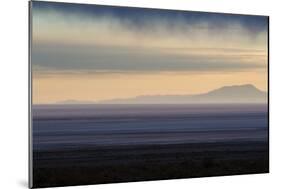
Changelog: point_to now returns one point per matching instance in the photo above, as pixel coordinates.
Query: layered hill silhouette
(228, 94)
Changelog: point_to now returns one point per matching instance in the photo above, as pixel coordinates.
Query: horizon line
(84, 102)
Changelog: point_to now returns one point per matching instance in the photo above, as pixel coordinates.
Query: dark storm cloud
(141, 18)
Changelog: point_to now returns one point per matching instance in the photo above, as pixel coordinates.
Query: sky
(93, 52)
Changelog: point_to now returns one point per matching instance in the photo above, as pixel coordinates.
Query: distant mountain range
(75, 102)
(227, 94)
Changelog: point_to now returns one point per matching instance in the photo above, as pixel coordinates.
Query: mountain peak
(237, 88)
(236, 93)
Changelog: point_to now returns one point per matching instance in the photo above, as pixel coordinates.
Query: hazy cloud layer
(116, 59)
(115, 39)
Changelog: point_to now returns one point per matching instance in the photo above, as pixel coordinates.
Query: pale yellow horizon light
(94, 88)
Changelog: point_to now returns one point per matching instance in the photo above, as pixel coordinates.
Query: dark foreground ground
(96, 165)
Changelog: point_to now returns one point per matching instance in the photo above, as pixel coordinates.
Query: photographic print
(122, 94)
